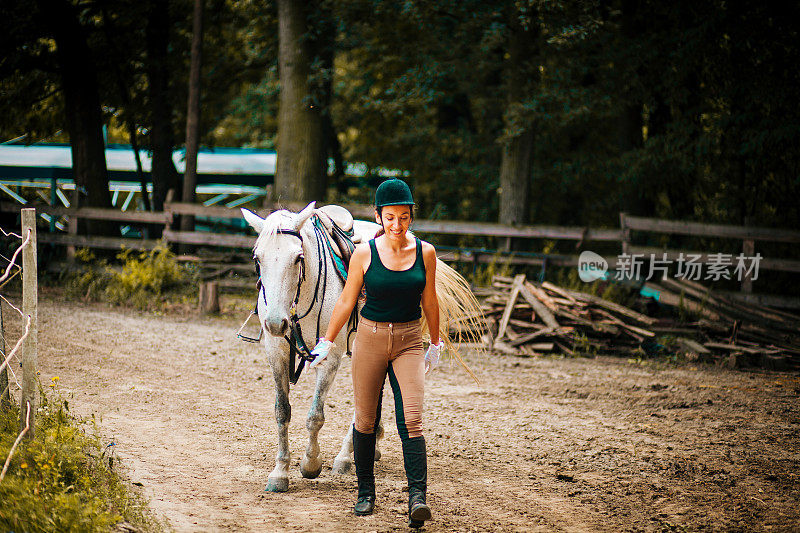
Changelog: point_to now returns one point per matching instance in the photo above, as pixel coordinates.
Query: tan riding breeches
(382, 348)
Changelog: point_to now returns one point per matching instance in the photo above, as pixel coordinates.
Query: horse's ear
(304, 215)
(254, 220)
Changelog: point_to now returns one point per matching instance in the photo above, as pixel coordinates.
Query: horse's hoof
(342, 467)
(377, 454)
(277, 484)
(310, 468)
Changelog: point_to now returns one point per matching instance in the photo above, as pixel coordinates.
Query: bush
(64, 479)
(140, 281)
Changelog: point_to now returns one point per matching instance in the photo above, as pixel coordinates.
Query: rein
(297, 344)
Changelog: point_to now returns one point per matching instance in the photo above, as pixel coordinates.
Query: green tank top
(393, 295)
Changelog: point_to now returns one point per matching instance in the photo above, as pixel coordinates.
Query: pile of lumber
(533, 318)
(728, 331)
(527, 318)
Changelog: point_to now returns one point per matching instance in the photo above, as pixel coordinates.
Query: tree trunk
(162, 136)
(122, 83)
(629, 128)
(515, 179)
(301, 168)
(516, 161)
(82, 109)
(193, 115)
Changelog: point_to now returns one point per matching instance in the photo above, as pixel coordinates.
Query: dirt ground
(541, 444)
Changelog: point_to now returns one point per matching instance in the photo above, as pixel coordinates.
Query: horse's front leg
(278, 480)
(311, 464)
(343, 462)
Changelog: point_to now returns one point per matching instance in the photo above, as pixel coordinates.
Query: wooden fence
(580, 235)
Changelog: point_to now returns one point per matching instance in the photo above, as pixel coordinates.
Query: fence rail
(581, 235)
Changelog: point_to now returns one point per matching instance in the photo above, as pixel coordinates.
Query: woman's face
(395, 220)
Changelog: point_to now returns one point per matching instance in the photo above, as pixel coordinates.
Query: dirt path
(540, 445)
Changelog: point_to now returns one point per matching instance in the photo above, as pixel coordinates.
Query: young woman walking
(399, 275)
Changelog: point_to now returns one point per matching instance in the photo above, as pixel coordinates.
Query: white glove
(432, 356)
(321, 351)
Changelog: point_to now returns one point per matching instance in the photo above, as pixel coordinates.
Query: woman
(400, 277)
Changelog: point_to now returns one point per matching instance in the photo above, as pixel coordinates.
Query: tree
(302, 148)
(81, 105)
(161, 115)
(517, 143)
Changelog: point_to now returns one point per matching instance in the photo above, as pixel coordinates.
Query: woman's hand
(321, 351)
(432, 356)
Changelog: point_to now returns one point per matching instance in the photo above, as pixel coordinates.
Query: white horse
(296, 267)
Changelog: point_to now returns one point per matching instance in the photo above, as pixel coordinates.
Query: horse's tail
(459, 308)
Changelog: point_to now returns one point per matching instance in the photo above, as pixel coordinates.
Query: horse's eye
(299, 258)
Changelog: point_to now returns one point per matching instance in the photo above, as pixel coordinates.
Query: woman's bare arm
(430, 301)
(352, 289)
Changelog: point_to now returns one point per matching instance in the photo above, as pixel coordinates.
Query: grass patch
(65, 478)
(144, 280)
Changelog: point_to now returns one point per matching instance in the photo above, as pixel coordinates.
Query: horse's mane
(272, 223)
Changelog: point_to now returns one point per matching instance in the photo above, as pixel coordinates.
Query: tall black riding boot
(364, 455)
(416, 463)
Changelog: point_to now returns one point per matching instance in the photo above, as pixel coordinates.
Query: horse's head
(279, 254)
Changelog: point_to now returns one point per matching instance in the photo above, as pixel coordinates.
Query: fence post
(5, 390)
(29, 301)
(748, 250)
(209, 297)
(626, 232)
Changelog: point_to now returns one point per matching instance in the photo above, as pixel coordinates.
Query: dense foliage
(64, 479)
(679, 110)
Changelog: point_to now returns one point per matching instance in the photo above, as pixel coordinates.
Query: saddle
(341, 239)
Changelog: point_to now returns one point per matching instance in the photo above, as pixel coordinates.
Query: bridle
(297, 344)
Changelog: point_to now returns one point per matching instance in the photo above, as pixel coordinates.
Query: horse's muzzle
(279, 329)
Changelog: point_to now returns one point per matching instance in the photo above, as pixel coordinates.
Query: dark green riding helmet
(393, 192)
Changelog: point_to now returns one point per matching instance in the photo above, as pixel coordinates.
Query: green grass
(143, 280)
(65, 479)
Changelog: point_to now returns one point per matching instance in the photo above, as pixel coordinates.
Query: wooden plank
(769, 300)
(692, 346)
(94, 213)
(541, 346)
(623, 324)
(516, 287)
(209, 239)
(502, 347)
(711, 230)
(448, 227)
(766, 263)
(541, 296)
(732, 347)
(540, 309)
(108, 243)
(455, 227)
(182, 208)
(558, 290)
(611, 306)
(530, 336)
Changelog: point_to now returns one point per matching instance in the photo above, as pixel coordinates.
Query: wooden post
(626, 233)
(72, 224)
(748, 249)
(209, 297)
(5, 393)
(29, 301)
